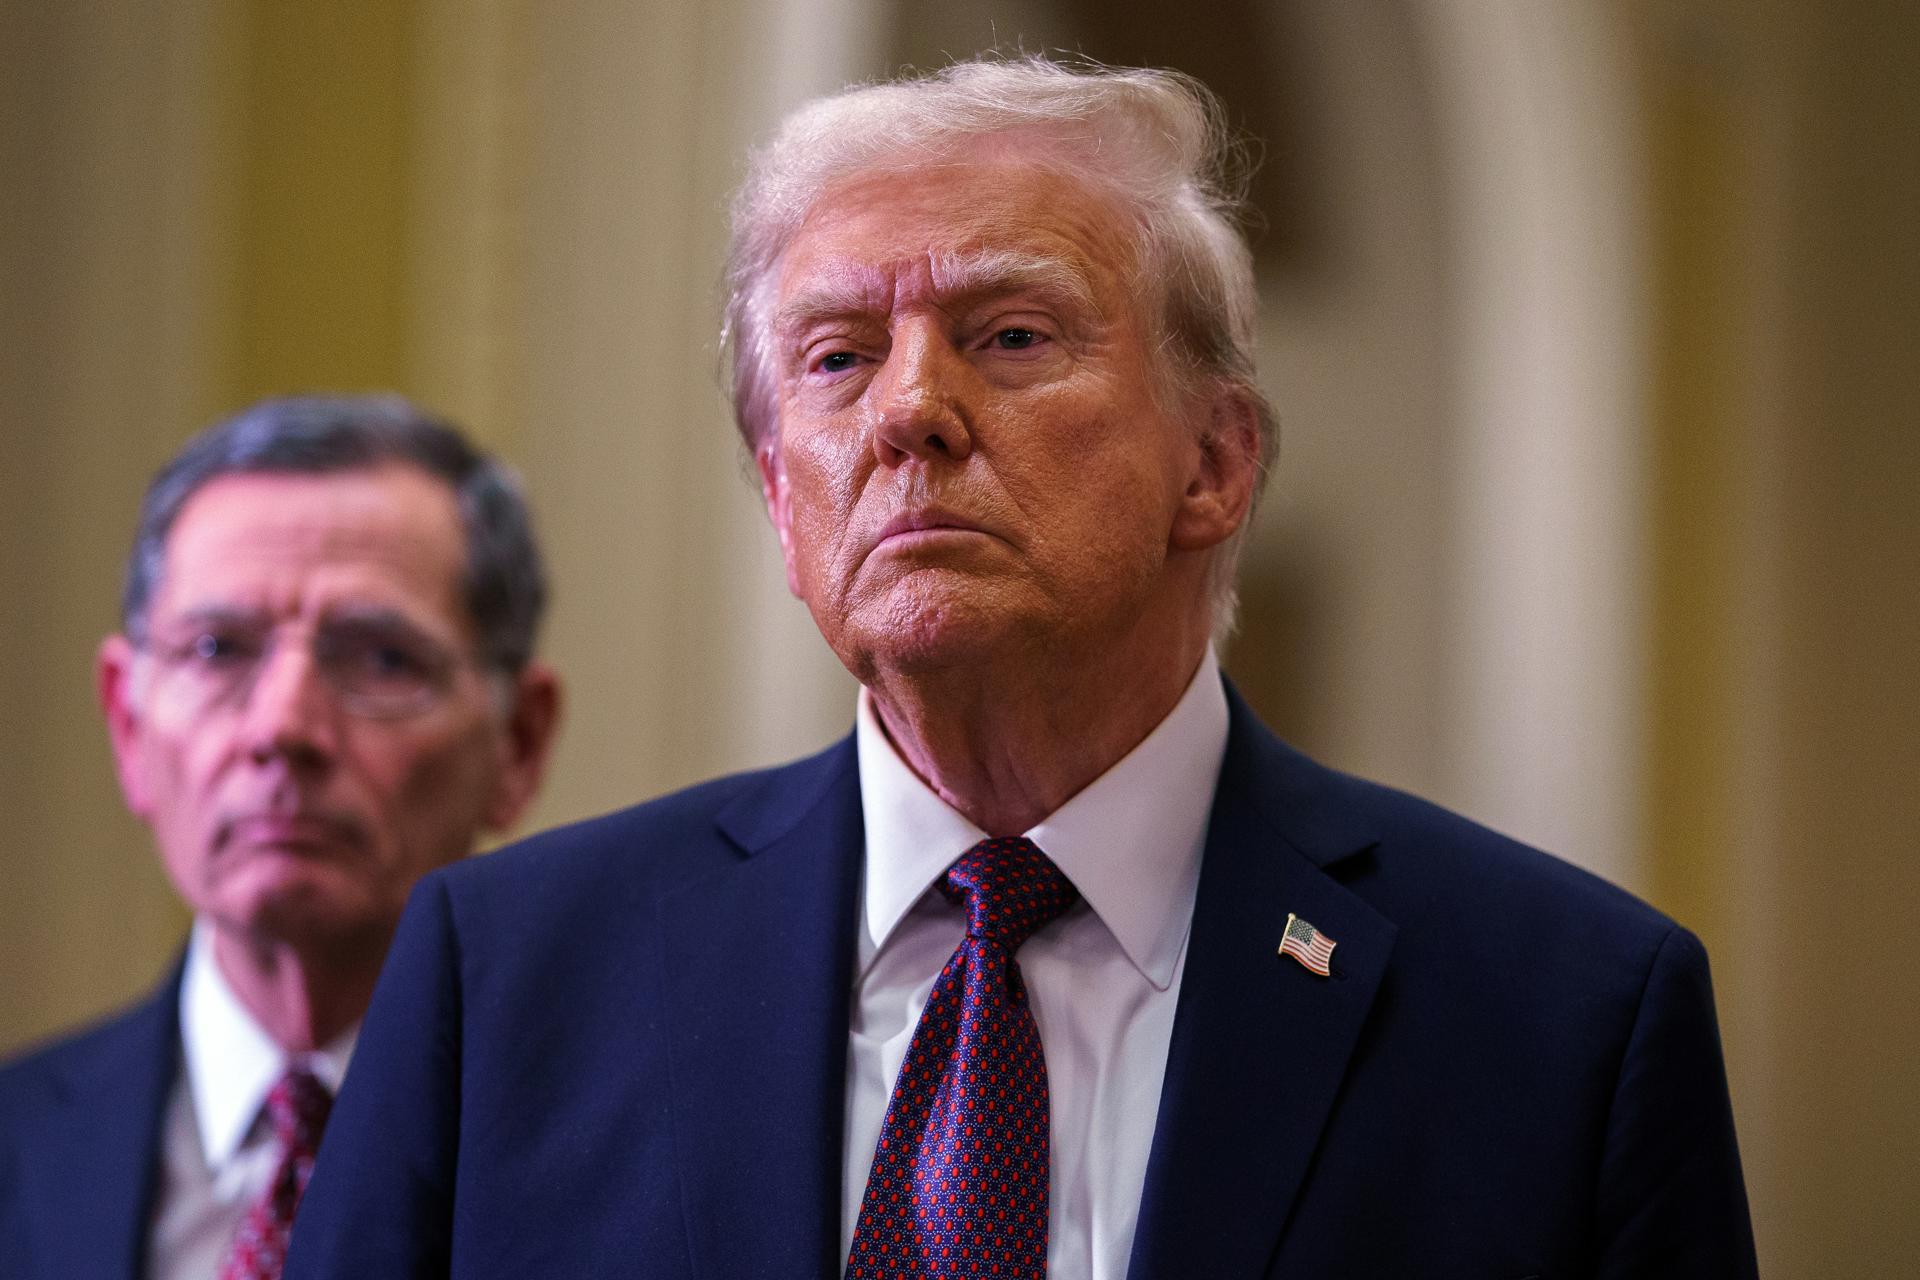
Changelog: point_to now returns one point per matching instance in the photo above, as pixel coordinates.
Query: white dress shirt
(217, 1152)
(1103, 978)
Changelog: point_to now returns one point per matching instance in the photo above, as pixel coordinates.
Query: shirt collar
(232, 1063)
(1130, 840)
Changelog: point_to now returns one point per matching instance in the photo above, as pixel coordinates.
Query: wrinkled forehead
(950, 279)
(953, 229)
(290, 543)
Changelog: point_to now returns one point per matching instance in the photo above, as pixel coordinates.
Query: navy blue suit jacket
(620, 1049)
(80, 1130)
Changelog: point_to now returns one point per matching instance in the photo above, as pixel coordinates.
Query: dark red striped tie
(297, 1107)
(959, 1181)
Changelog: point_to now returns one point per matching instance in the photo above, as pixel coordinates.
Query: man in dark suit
(324, 687)
(1061, 964)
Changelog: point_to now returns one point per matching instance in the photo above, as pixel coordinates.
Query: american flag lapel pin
(1308, 945)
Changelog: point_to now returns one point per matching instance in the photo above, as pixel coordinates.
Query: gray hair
(504, 585)
(1155, 141)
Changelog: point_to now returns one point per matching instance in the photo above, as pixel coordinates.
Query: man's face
(305, 728)
(973, 454)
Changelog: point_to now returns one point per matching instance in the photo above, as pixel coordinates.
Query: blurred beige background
(1592, 325)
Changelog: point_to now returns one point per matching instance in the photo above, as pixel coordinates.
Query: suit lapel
(94, 1164)
(758, 961)
(1260, 1044)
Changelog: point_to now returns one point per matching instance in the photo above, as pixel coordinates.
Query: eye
(378, 659)
(837, 362)
(1015, 338)
(215, 648)
(374, 660)
(391, 660)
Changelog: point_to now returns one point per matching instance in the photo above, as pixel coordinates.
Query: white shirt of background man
(217, 1152)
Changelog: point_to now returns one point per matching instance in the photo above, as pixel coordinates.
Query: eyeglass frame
(376, 628)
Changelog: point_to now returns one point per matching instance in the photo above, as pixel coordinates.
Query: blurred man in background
(324, 687)
(1060, 964)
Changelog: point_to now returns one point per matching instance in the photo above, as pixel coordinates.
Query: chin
(927, 633)
(305, 910)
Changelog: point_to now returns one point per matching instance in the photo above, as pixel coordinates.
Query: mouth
(927, 525)
(297, 832)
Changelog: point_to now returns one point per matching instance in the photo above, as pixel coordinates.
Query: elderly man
(1061, 963)
(323, 689)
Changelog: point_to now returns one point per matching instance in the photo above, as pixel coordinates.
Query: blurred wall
(1590, 324)
(109, 276)
(1786, 589)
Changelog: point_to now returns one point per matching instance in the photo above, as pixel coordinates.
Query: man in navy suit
(1061, 963)
(324, 687)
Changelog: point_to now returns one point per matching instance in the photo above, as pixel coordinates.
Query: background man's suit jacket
(620, 1049)
(80, 1132)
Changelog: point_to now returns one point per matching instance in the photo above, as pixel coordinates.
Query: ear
(526, 744)
(113, 683)
(1225, 474)
(773, 488)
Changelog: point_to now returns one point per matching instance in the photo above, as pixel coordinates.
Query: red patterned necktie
(297, 1106)
(959, 1181)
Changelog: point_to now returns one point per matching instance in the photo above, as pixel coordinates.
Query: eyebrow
(957, 277)
(375, 617)
(1002, 271)
(217, 614)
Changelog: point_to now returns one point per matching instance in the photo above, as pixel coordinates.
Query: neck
(1007, 742)
(302, 996)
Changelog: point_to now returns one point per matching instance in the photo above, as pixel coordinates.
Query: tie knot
(1010, 890)
(297, 1107)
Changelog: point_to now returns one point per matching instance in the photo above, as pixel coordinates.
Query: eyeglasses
(380, 667)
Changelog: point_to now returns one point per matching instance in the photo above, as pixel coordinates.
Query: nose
(920, 398)
(290, 712)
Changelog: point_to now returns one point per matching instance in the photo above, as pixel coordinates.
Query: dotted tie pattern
(297, 1107)
(959, 1181)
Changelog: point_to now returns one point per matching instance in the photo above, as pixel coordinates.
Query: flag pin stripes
(1308, 945)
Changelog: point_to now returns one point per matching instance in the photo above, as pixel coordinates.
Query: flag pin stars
(1308, 945)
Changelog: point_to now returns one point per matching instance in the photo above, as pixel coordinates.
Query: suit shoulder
(45, 1071)
(1468, 860)
(1385, 839)
(1464, 897)
(633, 852)
(1388, 842)
(1458, 892)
